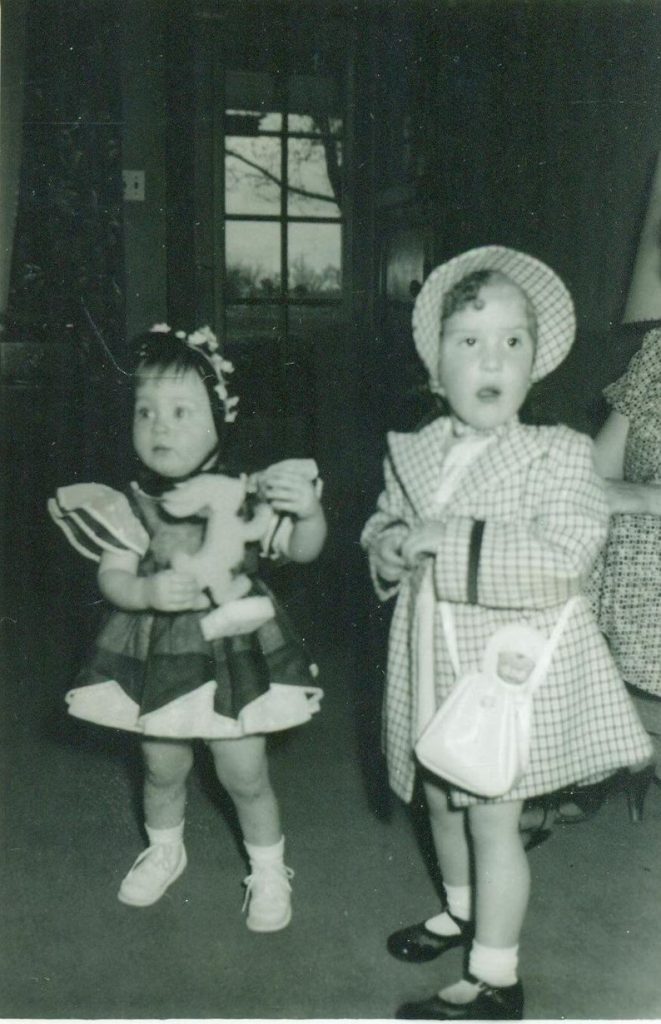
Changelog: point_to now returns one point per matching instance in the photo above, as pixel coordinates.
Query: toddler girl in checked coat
(486, 522)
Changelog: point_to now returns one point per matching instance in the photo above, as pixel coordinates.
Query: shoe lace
(267, 880)
(158, 858)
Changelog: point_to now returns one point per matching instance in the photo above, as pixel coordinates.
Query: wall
(144, 121)
(533, 125)
(12, 43)
(65, 317)
(550, 125)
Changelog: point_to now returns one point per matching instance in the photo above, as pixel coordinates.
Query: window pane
(252, 175)
(252, 260)
(315, 261)
(313, 175)
(252, 92)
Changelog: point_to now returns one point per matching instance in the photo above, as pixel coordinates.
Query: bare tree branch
(278, 181)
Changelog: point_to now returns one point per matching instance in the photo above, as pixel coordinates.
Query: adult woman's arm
(623, 495)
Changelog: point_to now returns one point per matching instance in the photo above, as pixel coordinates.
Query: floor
(591, 948)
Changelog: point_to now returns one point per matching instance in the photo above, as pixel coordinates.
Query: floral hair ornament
(205, 342)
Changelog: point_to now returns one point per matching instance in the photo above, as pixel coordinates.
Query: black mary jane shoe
(581, 803)
(417, 945)
(536, 824)
(490, 1003)
(637, 784)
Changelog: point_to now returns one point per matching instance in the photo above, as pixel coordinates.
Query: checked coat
(545, 518)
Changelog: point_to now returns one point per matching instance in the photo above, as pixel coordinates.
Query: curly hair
(466, 293)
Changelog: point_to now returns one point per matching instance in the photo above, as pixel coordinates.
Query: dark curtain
(12, 36)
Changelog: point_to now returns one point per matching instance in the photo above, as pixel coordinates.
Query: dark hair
(163, 352)
(466, 291)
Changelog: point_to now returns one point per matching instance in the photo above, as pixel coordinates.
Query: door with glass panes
(276, 246)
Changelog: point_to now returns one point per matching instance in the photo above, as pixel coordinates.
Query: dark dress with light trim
(153, 672)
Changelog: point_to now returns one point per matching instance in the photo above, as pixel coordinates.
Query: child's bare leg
(419, 943)
(448, 828)
(242, 768)
(502, 873)
(167, 765)
(502, 884)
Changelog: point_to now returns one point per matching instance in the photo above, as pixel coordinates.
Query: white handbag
(479, 739)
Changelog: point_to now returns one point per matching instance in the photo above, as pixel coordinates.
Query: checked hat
(553, 305)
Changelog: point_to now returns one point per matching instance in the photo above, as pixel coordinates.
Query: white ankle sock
(442, 924)
(266, 854)
(460, 900)
(165, 836)
(459, 904)
(460, 992)
(496, 966)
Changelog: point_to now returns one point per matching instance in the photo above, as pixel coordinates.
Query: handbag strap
(543, 662)
(541, 668)
(447, 618)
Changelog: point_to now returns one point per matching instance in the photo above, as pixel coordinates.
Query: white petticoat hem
(192, 715)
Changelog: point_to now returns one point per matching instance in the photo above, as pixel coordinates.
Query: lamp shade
(644, 297)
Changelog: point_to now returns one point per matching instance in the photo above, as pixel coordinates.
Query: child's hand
(387, 559)
(290, 492)
(170, 591)
(422, 540)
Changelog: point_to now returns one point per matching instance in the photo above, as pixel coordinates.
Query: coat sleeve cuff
(457, 562)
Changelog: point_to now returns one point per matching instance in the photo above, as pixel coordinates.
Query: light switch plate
(134, 186)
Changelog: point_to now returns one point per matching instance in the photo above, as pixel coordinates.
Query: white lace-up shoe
(268, 897)
(153, 872)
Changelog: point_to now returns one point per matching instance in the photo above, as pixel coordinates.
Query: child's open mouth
(489, 394)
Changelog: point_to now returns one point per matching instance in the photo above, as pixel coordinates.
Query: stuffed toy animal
(96, 518)
(218, 498)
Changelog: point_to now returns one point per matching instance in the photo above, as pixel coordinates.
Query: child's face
(173, 429)
(514, 666)
(486, 356)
